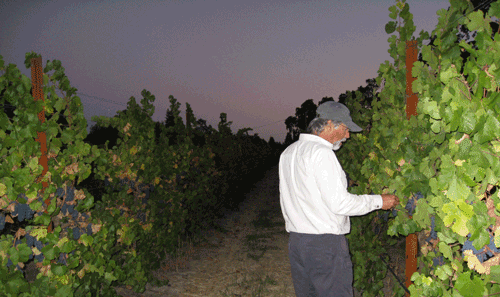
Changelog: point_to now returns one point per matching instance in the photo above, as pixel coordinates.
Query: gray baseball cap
(335, 111)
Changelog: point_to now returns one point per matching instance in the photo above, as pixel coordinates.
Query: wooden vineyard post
(411, 98)
(411, 109)
(37, 83)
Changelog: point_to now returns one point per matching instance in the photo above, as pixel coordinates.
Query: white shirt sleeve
(332, 183)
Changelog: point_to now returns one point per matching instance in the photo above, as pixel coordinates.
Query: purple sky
(254, 60)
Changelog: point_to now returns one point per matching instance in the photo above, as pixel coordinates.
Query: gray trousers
(321, 265)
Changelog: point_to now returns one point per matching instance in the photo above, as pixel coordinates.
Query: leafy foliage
(157, 186)
(449, 153)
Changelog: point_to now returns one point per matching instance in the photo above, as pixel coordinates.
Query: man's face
(336, 135)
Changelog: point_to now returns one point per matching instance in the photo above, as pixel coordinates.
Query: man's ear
(329, 126)
(327, 129)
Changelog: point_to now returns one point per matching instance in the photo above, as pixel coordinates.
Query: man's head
(333, 123)
(334, 132)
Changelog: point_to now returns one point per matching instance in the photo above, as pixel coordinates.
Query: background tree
(326, 99)
(293, 130)
(363, 95)
(224, 126)
(203, 127)
(305, 114)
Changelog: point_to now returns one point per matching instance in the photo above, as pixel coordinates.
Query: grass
(255, 286)
(258, 243)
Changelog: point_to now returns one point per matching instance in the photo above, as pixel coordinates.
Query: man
(316, 205)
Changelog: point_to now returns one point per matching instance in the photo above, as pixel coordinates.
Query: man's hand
(389, 201)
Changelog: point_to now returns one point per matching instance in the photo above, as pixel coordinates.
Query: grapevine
(444, 161)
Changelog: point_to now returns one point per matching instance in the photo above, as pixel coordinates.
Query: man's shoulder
(305, 147)
(310, 143)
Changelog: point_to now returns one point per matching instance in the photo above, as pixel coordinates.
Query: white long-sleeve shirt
(313, 189)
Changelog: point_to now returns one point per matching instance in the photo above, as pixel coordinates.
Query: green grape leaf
(431, 108)
(444, 272)
(59, 269)
(476, 21)
(390, 27)
(445, 238)
(24, 252)
(422, 213)
(110, 276)
(394, 12)
(44, 219)
(446, 250)
(494, 9)
(495, 273)
(483, 238)
(468, 287)
(489, 131)
(64, 291)
(50, 252)
(36, 205)
(87, 240)
(448, 74)
(60, 103)
(456, 217)
(436, 126)
(14, 255)
(468, 122)
(457, 190)
(426, 168)
(16, 286)
(466, 209)
(441, 273)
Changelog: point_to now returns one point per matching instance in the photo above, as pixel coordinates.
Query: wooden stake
(411, 109)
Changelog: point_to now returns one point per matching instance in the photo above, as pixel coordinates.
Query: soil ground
(248, 256)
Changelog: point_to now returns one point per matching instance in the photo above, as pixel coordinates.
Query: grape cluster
(2, 221)
(383, 215)
(140, 187)
(410, 205)
(146, 198)
(23, 212)
(59, 192)
(30, 242)
(66, 208)
(76, 233)
(69, 206)
(33, 242)
(62, 259)
(482, 254)
(141, 216)
(437, 261)
(433, 234)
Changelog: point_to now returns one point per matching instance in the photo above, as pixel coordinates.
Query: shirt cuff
(378, 202)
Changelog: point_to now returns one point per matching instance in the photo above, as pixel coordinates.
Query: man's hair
(317, 125)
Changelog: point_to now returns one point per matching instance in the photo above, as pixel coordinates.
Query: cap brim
(353, 127)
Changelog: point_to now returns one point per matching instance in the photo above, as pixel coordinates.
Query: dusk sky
(254, 60)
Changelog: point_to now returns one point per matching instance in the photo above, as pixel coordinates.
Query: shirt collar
(315, 138)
